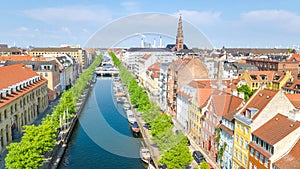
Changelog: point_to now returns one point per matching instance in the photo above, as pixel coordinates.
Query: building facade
(22, 99)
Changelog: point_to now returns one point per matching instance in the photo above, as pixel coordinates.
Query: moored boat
(145, 155)
(130, 116)
(135, 128)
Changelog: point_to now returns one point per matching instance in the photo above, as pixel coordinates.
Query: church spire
(179, 37)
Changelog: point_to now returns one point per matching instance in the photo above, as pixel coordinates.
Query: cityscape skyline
(229, 24)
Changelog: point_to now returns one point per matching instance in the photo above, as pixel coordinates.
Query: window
(252, 151)
(247, 130)
(46, 74)
(266, 162)
(0, 118)
(241, 141)
(256, 155)
(245, 144)
(240, 156)
(237, 137)
(250, 165)
(245, 160)
(261, 159)
(5, 114)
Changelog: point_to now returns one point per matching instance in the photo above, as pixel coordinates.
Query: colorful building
(22, 99)
(260, 108)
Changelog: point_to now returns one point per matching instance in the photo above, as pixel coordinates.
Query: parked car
(198, 156)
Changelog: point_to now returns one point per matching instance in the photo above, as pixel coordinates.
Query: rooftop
(276, 129)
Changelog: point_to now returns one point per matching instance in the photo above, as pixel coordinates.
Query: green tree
(203, 165)
(246, 90)
(160, 124)
(168, 139)
(177, 157)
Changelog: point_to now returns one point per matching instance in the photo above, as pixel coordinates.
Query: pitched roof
(276, 129)
(291, 160)
(204, 95)
(259, 100)
(257, 76)
(8, 75)
(226, 103)
(295, 57)
(21, 58)
(155, 66)
(184, 95)
(294, 99)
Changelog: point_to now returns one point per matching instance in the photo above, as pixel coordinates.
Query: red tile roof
(13, 74)
(21, 58)
(186, 96)
(291, 160)
(226, 103)
(276, 129)
(294, 99)
(294, 57)
(155, 66)
(259, 100)
(258, 74)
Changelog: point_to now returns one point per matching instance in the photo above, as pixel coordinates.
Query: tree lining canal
(102, 138)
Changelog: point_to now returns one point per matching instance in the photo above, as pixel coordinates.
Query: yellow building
(260, 108)
(270, 79)
(23, 95)
(78, 53)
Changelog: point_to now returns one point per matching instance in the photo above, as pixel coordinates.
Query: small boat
(126, 106)
(145, 155)
(135, 128)
(121, 99)
(130, 116)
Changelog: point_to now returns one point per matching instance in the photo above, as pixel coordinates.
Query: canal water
(103, 138)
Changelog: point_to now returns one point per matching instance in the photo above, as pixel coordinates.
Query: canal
(103, 138)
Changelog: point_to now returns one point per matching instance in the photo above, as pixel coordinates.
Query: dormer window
(253, 77)
(263, 77)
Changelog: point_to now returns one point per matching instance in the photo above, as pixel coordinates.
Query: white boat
(130, 116)
(145, 155)
(126, 106)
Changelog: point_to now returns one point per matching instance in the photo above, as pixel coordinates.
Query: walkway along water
(102, 138)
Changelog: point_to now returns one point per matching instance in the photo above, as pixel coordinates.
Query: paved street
(194, 146)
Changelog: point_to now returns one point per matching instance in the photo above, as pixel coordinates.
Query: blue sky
(232, 23)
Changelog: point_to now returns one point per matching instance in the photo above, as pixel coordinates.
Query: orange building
(23, 95)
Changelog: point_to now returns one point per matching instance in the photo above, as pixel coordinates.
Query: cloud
(66, 30)
(22, 29)
(198, 17)
(70, 13)
(130, 6)
(275, 19)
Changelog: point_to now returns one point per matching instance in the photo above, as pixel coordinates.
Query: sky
(229, 23)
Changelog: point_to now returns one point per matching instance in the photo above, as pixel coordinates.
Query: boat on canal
(130, 116)
(135, 128)
(145, 155)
